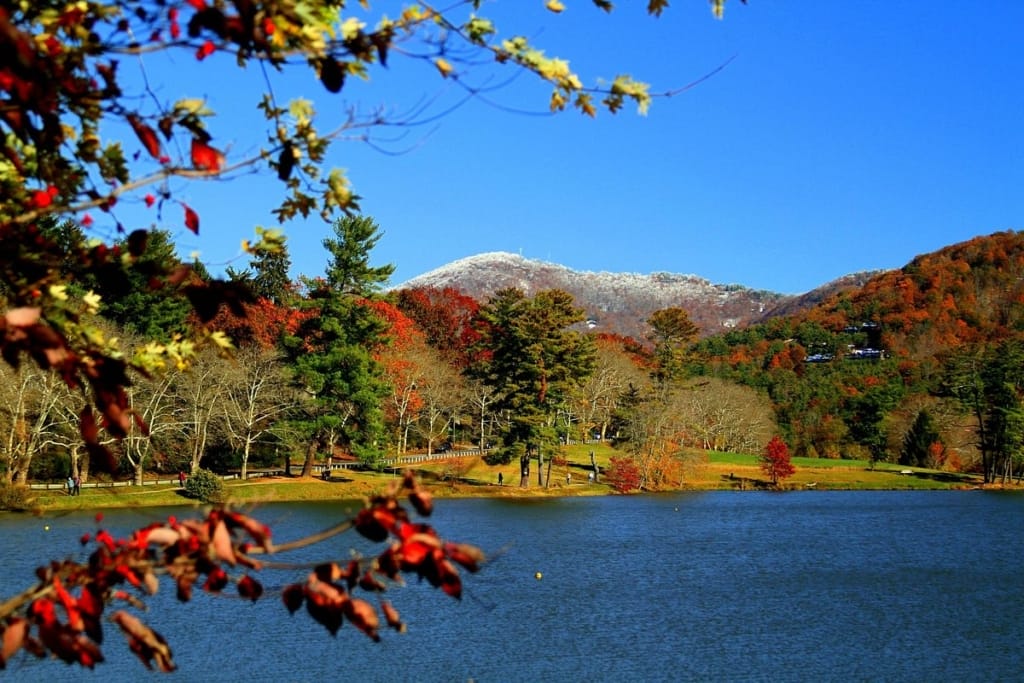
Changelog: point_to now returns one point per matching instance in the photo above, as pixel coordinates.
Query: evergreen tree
(672, 332)
(990, 384)
(918, 442)
(332, 348)
(533, 361)
(135, 292)
(267, 275)
(349, 271)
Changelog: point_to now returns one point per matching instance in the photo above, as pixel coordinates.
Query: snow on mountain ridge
(516, 262)
(615, 302)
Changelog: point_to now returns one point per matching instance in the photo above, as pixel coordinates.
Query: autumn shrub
(15, 497)
(623, 475)
(205, 486)
(665, 471)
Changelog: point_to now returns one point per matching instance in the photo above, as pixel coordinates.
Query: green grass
(471, 477)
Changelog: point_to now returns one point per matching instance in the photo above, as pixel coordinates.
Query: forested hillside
(852, 375)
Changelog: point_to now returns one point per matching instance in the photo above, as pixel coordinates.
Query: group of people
(74, 485)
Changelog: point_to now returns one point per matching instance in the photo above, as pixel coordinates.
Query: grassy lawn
(471, 477)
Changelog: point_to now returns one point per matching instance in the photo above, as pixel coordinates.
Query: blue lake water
(718, 586)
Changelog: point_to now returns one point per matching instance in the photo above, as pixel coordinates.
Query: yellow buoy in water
(538, 576)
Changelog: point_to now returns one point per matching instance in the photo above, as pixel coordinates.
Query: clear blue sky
(842, 136)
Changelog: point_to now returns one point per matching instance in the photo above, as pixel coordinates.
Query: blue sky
(841, 136)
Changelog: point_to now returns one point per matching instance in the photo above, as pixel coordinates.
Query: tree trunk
(307, 465)
(245, 459)
(524, 471)
(83, 467)
(593, 465)
(138, 473)
(21, 473)
(483, 437)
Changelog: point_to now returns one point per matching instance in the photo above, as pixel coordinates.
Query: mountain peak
(615, 302)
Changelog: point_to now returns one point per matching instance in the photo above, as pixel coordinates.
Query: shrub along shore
(471, 477)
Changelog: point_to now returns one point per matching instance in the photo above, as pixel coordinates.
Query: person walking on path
(77, 485)
(71, 486)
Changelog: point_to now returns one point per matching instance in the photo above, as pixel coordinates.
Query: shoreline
(309, 489)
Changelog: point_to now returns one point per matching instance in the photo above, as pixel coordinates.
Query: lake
(717, 586)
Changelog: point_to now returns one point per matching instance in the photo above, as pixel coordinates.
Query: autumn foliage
(63, 613)
(775, 461)
(623, 474)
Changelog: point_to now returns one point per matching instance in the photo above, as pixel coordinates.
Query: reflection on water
(810, 586)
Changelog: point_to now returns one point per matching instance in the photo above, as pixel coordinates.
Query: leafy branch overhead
(66, 76)
(83, 128)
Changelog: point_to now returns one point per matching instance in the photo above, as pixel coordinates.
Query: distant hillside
(849, 376)
(971, 292)
(622, 302)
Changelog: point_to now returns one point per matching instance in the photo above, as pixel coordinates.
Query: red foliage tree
(260, 324)
(775, 461)
(445, 316)
(623, 474)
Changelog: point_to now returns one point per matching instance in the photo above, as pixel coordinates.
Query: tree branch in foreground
(62, 615)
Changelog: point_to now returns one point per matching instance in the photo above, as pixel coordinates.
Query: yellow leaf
(554, 6)
(586, 105)
(351, 28)
(92, 302)
(443, 66)
(557, 101)
(221, 340)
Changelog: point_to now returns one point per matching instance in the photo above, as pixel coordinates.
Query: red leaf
(222, 547)
(148, 645)
(205, 50)
(466, 555)
(147, 136)
(13, 638)
(422, 501)
(216, 580)
(206, 158)
(191, 219)
(41, 199)
(362, 615)
(293, 597)
(150, 200)
(391, 615)
(250, 588)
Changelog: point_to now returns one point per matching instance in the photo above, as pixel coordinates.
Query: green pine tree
(918, 442)
(332, 349)
(533, 361)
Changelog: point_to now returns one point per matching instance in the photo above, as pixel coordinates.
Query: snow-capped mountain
(622, 302)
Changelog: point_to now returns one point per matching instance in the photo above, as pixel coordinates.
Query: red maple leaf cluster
(62, 614)
(415, 548)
